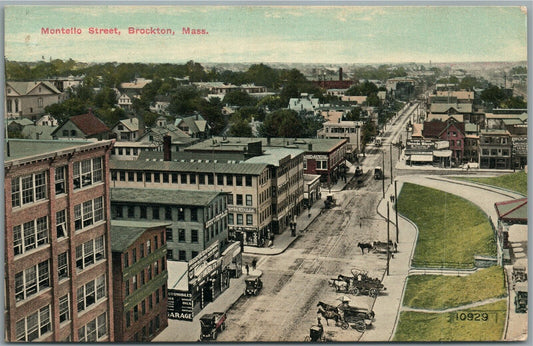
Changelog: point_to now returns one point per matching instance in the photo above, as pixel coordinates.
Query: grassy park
(513, 181)
(438, 292)
(486, 323)
(451, 229)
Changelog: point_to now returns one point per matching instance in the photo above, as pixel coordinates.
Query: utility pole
(388, 239)
(396, 199)
(383, 172)
(391, 163)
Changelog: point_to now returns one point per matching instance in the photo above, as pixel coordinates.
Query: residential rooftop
(125, 233)
(164, 196)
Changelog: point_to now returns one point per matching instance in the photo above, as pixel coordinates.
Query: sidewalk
(184, 331)
(388, 305)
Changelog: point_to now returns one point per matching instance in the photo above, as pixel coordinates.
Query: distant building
(350, 130)
(127, 130)
(82, 126)
(305, 104)
(139, 279)
(58, 278)
(450, 130)
(28, 99)
(195, 125)
(495, 149)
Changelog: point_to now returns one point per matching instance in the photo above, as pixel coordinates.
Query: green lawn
(438, 292)
(451, 229)
(513, 181)
(428, 327)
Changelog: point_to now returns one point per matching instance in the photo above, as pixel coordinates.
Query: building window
(32, 280)
(91, 293)
(229, 179)
(135, 313)
(168, 232)
(230, 219)
(141, 250)
(183, 178)
(34, 326)
(148, 177)
(90, 253)
(157, 177)
(220, 179)
(170, 255)
(128, 319)
(155, 213)
(60, 179)
(192, 178)
(194, 236)
(210, 179)
(139, 176)
(201, 179)
(64, 309)
(248, 200)
(28, 189)
(131, 212)
(248, 180)
(238, 180)
(143, 212)
(62, 265)
(174, 178)
(182, 255)
(249, 219)
(239, 199)
(61, 223)
(194, 254)
(30, 235)
(88, 213)
(94, 330)
(126, 260)
(148, 247)
(87, 172)
(134, 255)
(239, 219)
(168, 213)
(194, 214)
(181, 235)
(230, 199)
(165, 177)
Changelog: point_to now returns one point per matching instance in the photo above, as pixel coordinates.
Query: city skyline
(277, 34)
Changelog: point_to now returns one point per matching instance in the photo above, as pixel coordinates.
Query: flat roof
(33, 149)
(125, 233)
(238, 143)
(177, 275)
(178, 167)
(163, 196)
(272, 156)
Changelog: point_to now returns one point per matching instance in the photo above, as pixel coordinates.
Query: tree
(354, 114)
(369, 131)
(282, 123)
(373, 100)
(106, 98)
(514, 102)
(493, 95)
(239, 98)
(271, 103)
(186, 99)
(239, 127)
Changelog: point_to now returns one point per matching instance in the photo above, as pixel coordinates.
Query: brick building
(139, 279)
(58, 283)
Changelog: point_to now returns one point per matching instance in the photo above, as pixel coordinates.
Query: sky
(290, 34)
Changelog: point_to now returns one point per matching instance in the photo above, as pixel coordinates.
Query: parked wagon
(520, 299)
(519, 274)
(360, 283)
(316, 333)
(211, 325)
(381, 247)
(357, 317)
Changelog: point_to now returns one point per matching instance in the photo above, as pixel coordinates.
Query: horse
(340, 285)
(327, 307)
(364, 246)
(329, 315)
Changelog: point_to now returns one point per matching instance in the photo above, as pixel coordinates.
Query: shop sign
(213, 220)
(200, 260)
(316, 157)
(179, 305)
(241, 209)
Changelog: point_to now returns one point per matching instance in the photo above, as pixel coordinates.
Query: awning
(422, 158)
(442, 153)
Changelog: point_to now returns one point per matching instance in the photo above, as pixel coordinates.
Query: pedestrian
(247, 269)
(254, 263)
(391, 198)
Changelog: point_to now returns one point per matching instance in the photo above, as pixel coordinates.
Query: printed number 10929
(472, 316)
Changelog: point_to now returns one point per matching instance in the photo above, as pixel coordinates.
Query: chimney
(166, 148)
(340, 74)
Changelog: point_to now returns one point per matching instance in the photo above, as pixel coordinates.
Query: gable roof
(89, 124)
(24, 88)
(512, 211)
(131, 124)
(445, 107)
(126, 233)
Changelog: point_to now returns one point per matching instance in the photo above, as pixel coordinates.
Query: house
(128, 130)
(28, 99)
(195, 126)
(82, 126)
(58, 278)
(38, 132)
(357, 99)
(305, 104)
(125, 100)
(46, 120)
(450, 130)
(160, 105)
(136, 86)
(495, 148)
(154, 136)
(140, 276)
(65, 83)
(343, 129)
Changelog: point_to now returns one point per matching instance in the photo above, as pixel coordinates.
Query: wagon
(359, 318)
(519, 274)
(211, 325)
(316, 333)
(253, 286)
(520, 299)
(381, 247)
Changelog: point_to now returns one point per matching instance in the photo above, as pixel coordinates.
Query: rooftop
(163, 196)
(21, 148)
(185, 167)
(125, 233)
(238, 143)
(89, 124)
(514, 210)
(272, 156)
(177, 275)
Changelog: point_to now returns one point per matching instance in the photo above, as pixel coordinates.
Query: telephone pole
(396, 200)
(388, 239)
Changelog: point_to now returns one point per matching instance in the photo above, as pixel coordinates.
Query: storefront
(231, 262)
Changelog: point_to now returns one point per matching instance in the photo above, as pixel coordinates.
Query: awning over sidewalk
(442, 153)
(421, 158)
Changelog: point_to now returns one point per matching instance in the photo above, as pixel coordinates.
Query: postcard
(265, 173)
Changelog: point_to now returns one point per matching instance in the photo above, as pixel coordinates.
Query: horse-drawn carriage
(359, 283)
(345, 315)
(381, 247)
(519, 274)
(316, 333)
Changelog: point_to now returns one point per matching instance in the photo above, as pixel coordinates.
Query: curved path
(457, 308)
(481, 195)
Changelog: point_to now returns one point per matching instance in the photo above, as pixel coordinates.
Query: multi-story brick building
(495, 149)
(139, 279)
(58, 284)
(196, 220)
